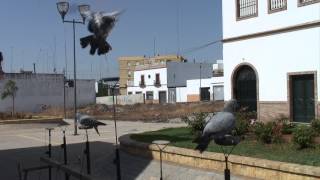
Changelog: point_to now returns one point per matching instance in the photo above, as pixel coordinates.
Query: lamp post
(63, 8)
(117, 159)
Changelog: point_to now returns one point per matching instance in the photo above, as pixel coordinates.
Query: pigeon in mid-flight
(100, 25)
(88, 122)
(218, 127)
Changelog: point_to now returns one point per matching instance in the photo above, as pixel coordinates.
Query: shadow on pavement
(102, 156)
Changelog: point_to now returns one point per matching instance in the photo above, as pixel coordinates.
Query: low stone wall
(239, 165)
(48, 119)
(121, 100)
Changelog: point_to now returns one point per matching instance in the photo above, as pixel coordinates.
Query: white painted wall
(265, 21)
(273, 57)
(149, 82)
(193, 87)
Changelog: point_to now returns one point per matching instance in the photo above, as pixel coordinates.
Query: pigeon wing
(221, 123)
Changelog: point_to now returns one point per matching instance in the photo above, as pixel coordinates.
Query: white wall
(273, 57)
(265, 21)
(193, 87)
(149, 82)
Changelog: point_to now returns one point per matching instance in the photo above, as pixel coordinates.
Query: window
(149, 95)
(157, 80)
(307, 2)
(247, 9)
(129, 93)
(138, 92)
(277, 5)
(142, 84)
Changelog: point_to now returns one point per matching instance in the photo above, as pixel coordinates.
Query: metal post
(64, 97)
(160, 164)
(226, 170)
(116, 134)
(49, 152)
(75, 77)
(200, 81)
(65, 158)
(87, 152)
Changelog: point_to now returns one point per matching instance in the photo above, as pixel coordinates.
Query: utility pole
(34, 68)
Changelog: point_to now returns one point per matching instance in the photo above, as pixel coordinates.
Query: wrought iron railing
(277, 5)
(247, 8)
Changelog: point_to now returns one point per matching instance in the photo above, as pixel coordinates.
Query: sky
(32, 32)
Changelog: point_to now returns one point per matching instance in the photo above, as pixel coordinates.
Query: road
(24, 144)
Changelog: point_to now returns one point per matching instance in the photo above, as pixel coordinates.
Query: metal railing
(142, 84)
(307, 1)
(247, 8)
(157, 83)
(276, 5)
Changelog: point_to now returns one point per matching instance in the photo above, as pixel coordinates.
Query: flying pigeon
(218, 126)
(100, 25)
(88, 122)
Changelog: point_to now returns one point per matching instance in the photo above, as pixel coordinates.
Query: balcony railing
(142, 84)
(247, 8)
(157, 83)
(306, 2)
(277, 5)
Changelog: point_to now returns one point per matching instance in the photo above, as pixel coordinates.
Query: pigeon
(100, 25)
(88, 122)
(218, 126)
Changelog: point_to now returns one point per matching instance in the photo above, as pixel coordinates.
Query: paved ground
(25, 144)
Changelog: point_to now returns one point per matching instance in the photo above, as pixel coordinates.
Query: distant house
(107, 86)
(271, 57)
(128, 64)
(178, 82)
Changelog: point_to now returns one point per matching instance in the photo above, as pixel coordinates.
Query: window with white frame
(149, 95)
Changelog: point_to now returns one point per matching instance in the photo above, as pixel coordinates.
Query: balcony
(277, 5)
(142, 84)
(307, 2)
(157, 83)
(247, 9)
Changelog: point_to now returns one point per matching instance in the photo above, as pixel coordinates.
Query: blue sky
(32, 32)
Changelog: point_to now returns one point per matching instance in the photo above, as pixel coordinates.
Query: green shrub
(303, 136)
(287, 126)
(269, 132)
(315, 124)
(196, 122)
(243, 120)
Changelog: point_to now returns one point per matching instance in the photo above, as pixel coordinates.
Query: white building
(271, 52)
(151, 81)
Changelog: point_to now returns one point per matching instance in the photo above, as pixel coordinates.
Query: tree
(10, 90)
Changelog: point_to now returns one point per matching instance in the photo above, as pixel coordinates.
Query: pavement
(24, 144)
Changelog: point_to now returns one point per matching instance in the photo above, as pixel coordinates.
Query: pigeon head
(231, 106)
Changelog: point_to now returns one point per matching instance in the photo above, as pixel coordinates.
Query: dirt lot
(141, 112)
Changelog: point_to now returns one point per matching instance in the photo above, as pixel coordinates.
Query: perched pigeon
(100, 24)
(88, 122)
(218, 126)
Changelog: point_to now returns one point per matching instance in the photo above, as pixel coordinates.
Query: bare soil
(140, 112)
(8, 116)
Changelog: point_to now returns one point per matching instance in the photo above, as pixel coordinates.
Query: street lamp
(63, 8)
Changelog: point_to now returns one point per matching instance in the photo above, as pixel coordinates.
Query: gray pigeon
(218, 126)
(88, 122)
(100, 24)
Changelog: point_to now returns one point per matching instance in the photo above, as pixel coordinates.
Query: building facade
(127, 66)
(150, 81)
(271, 53)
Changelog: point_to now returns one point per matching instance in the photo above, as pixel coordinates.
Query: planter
(240, 165)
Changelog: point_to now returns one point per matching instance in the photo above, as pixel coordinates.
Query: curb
(29, 121)
(239, 165)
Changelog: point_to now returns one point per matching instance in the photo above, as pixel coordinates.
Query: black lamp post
(63, 8)
(117, 159)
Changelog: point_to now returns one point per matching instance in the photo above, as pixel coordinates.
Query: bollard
(65, 157)
(226, 170)
(49, 151)
(87, 152)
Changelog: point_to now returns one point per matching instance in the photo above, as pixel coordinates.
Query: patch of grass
(182, 137)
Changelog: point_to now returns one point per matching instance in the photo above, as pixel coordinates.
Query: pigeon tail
(203, 143)
(100, 123)
(103, 47)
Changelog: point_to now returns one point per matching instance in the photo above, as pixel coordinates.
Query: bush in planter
(196, 122)
(303, 136)
(269, 132)
(315, 124)
(243, 120)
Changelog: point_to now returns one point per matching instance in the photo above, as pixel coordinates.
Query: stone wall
(271, 110)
